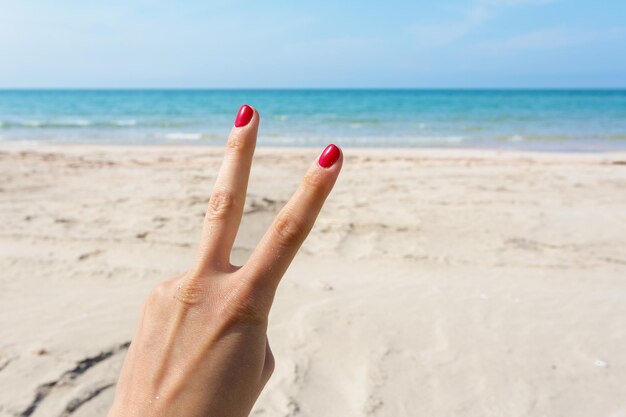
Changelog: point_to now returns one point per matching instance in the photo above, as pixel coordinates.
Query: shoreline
(430, 152)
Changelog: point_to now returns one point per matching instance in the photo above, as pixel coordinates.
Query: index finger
(281, 242)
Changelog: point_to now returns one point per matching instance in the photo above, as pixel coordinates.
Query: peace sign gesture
(200, 348)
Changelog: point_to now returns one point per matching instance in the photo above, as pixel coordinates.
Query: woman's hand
(200, 349)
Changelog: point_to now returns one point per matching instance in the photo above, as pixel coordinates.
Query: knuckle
(160, 292)
(220, 204)
(244, 307)
(191, 290)
(288, 230)
(158, 298)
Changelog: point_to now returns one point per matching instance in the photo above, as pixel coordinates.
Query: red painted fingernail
(244, 115)
(330, 155)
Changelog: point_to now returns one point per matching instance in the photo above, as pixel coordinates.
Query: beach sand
(435, 283)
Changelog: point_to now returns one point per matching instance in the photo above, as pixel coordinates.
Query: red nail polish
(244, 115)
(330, 155)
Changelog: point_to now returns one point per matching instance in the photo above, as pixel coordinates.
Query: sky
(318, 44)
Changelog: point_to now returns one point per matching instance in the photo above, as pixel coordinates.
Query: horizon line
(165, 88)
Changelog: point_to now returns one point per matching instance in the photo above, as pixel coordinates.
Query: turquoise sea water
(570, 120)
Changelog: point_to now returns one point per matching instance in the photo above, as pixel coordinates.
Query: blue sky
(265, 44)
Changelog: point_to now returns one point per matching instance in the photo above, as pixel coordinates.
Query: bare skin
(201, 348)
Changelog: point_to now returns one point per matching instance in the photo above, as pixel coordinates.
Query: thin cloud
(435, 34)
(551, 38)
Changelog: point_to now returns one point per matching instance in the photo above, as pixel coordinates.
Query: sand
(435, 283)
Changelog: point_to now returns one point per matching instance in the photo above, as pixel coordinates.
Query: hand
(201, 349)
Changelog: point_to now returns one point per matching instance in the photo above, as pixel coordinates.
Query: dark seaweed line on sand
(81, 367)
(79, 401)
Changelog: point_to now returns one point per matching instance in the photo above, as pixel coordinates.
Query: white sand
(436, 283)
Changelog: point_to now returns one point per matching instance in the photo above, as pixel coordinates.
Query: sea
(543, 120)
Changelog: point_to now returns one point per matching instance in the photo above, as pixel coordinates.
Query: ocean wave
(30, 123)
(190, 136)
(183, 136)
(67, 124)
(45, 124)
(74, 123)
(165, 124)
(63, 123)
(366, 141)
(365, 121)
(125, 122)
(454, 139)
(473, 128)
(532, 138)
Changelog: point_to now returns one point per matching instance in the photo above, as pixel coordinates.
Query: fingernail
(330, 155)
(244, 115)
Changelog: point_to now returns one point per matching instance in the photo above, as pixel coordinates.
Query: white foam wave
(367, 141)
(32, 123)
(72, 123)
(183, 136)
(454, 139)
(35, 124)
(126, 122)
